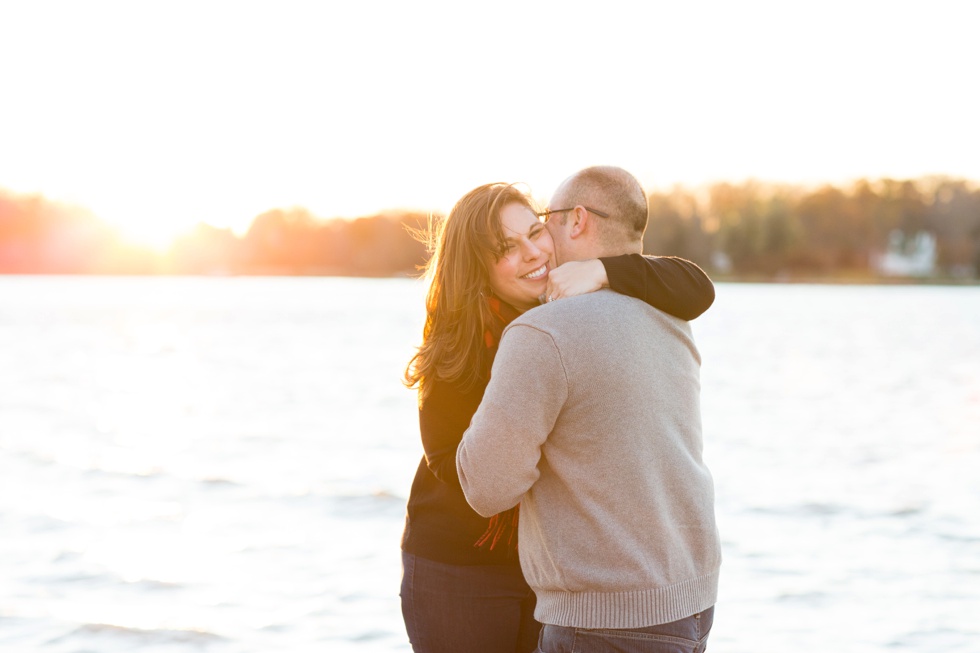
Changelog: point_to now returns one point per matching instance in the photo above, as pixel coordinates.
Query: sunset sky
(159, 115)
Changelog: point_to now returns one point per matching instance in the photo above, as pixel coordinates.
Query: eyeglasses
(546, 215)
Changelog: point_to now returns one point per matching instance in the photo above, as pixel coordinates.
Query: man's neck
(599, 251)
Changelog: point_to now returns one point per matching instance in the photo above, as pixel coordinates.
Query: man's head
(599, 211)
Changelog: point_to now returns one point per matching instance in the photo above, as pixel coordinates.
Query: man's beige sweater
(592, 422)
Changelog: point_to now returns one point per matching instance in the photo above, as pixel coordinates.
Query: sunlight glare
(268, 107)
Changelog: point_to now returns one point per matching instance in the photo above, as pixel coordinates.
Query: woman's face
(520, 275)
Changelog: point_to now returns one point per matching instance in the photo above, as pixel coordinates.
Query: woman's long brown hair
(463, 246)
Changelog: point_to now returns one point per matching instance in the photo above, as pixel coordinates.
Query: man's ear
(580, 222)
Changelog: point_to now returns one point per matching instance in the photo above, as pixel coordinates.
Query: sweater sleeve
(498, 457)
(673, 285)
(443, 417)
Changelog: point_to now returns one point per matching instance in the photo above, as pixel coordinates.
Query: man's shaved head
(610, 190)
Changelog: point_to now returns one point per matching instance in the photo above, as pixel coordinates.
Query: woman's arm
(673, 285)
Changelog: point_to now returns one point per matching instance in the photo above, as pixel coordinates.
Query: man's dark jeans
(688, 635)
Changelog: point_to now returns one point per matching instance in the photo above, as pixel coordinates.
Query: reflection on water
(842, 429)
(222, 464)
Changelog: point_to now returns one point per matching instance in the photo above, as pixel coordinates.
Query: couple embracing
(562, 503)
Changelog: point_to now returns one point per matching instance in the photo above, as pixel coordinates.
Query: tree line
(746, 230)
(783, 231)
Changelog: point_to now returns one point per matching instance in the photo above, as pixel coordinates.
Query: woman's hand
(576, 278)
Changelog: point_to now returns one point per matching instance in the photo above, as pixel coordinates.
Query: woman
(462, 588)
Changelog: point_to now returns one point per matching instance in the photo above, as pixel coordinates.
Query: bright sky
(159, 115)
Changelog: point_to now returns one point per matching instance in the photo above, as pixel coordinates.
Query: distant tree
(827, 222)
(37, 235)
(206, 250)
(279, 242)
(382, 245)
(675, 227)
(953, 216)
(901, 208)
(741, 215)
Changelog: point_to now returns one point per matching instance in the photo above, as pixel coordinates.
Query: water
(221, 464)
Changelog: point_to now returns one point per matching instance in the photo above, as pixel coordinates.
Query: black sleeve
(671, 284)
(443, 418)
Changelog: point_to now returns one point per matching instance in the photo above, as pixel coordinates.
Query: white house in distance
(913, 256)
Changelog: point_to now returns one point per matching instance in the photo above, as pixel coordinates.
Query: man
(592, 422)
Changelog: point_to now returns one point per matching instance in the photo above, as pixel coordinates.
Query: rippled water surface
(221, 465)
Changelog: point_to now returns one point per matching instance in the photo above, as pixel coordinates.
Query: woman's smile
(534, 274)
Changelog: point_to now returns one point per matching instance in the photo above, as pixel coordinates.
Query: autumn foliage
(768, 231)
(747, 230)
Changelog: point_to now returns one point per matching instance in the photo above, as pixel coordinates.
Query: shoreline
(841, 280)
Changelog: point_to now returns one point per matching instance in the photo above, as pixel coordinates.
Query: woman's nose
(531, 251)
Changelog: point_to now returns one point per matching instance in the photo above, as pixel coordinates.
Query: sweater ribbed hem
(627, 609)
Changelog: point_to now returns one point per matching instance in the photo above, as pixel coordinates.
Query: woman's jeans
(467, 609)
(688, 635)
